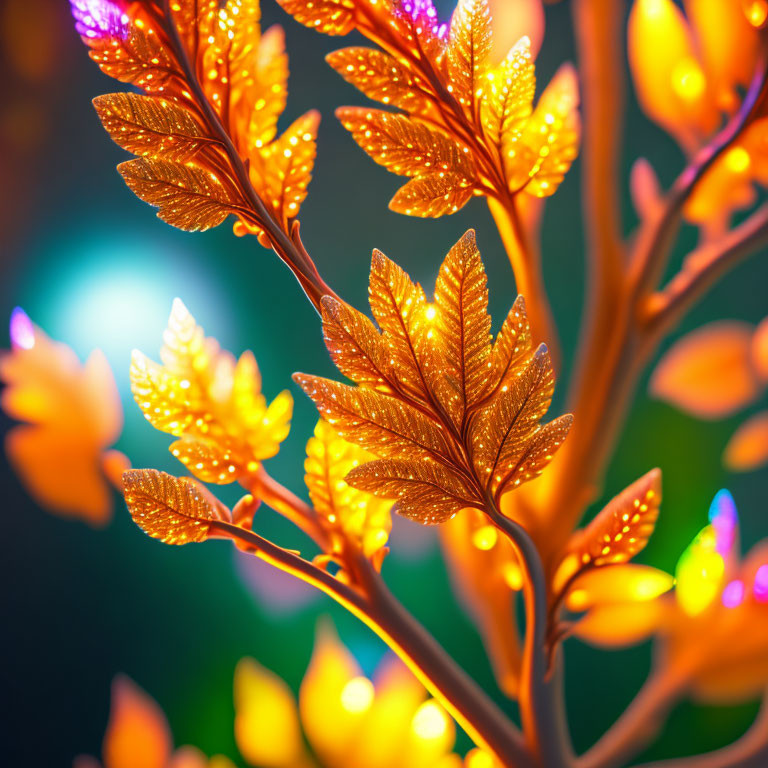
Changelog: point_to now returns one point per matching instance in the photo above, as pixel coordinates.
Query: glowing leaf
(137, 732)
(74, 414)
(332, 17)
(549, 140)
(380, 77)
(432, 196)
(451, 414)
(357, 514)
(505, 426)
(282, 171)
(469, 47)
(404, 146)
(622, 528)
(150, 126)
(355, 344)
(748, 447)
(463, 325)
(709, 372)
(174, 510)
(211, 401)
(424, 492)
(699, 574)
(267, 727)
(380, 424)
(265, 99)
(618, 584)
(135, 55)
(187, 197)
(616, 626)
(329, 725)
(509, 92)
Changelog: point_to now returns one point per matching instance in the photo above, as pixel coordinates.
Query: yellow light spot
(737, 159)
(357, 695)
(478, 759)
(485, 538)
(688, 80)
(429, 720)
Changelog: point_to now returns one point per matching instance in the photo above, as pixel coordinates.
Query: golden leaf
(467, 53)
(332, 17)
(509, 91)
(432, 196)
(150, 126)
(463, 325)
(424, 491)
(355, 346)
(174, 510)
(502, 430)
(513, 344)
(451, 415)
(214, 403)
(399, 307)
(282, 171)
(618, 532)
(405, 146)
(380, 424)
(186, 196)
(380, 77)
(549, 142)
(139, 58)
(269, 93)
(359, 515)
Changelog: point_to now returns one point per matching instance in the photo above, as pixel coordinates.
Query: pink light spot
(733, 594)
(99, 18)
(22, 331)
(760, 587)
(725, 521)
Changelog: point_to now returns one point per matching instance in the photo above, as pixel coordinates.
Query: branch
(750, 751)
(701, 269)
(526, 266)
(656, 235)
(291, 253)
(376, 607)
(541, 704)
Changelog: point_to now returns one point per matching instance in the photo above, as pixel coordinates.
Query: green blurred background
(93, 266)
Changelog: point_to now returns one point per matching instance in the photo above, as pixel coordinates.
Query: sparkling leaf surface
(174, 510)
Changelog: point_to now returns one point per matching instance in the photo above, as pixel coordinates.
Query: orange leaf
(176, 510)
(137, 733)
(748, 447)
(709, 372)
(332, 17)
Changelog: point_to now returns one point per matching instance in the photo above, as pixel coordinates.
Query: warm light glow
(737, 160)
(430, 720)
(476, 758)
(22, 331)
(357, 695)
(699, 573)
(756, 11)
(513, 576)
(430, 312)
(688, 80)
(485, 538)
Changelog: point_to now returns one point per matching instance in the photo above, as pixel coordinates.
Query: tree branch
(376, 607)
(701, 269)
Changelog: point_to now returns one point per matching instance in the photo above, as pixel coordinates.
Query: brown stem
(541, 704)
(375, 606)
(294, 257)
(750, 751)
(702, 268)
(526, 267)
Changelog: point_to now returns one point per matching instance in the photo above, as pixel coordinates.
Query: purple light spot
(96, 19)
(22, 331)
(760, 587)
(424, 16)
(725, 521)
(733, 594)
